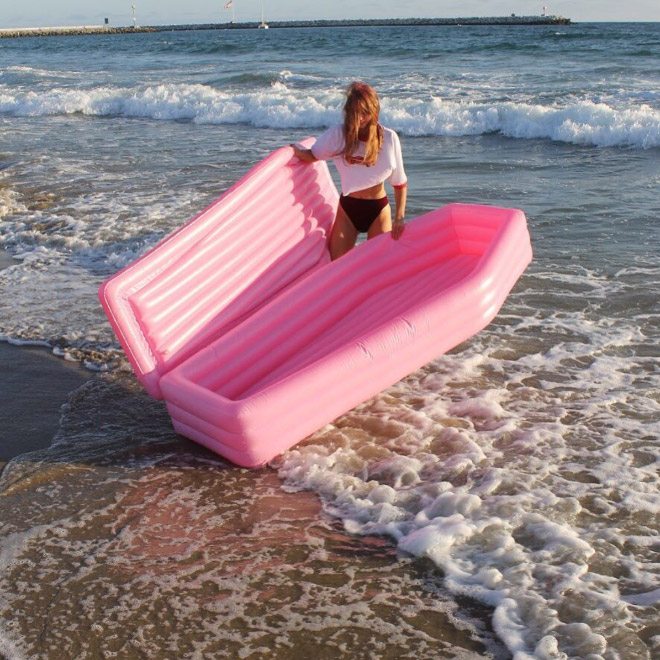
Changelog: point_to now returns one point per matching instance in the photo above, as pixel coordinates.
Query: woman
(366, 155)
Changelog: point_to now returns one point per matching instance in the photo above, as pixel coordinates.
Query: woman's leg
(382, 224)
(343, 236)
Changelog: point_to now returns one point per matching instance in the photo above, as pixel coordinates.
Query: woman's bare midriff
(375, 192)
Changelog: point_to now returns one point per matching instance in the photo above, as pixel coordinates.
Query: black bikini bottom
(362, 212)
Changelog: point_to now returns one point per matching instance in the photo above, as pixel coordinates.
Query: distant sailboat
(263, 25)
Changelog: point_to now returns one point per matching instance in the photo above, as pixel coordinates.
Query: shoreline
(63, 493)
(8, 33)
(35, 385)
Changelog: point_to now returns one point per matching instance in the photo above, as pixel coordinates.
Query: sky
(56, 13)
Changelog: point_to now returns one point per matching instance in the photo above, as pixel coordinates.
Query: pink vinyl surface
(348, 331)
(266, 232)
(255, 339)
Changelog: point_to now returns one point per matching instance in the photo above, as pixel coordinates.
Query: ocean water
(501, 502)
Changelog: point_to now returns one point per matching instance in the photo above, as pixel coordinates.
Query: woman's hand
(397, 229)
(305, 155)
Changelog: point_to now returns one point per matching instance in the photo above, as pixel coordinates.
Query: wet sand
(5, 260)
(34, 385)
(125, 540)
(265, 569)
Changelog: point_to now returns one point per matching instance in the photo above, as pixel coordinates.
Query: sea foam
(580, 121)
(500, 474)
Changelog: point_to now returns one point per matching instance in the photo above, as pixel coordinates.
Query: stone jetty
(69, 31)
(104, 29)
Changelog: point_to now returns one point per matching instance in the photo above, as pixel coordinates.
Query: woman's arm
(304, 154)
(400, 197)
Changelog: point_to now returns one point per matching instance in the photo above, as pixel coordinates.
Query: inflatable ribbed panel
(255, 339)
(265, 233)
(346, 331)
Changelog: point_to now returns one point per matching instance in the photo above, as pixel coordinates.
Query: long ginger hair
(361, 99)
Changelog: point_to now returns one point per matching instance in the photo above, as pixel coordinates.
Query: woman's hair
(361, 98)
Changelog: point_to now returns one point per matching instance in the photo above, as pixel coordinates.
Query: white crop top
(357, 176)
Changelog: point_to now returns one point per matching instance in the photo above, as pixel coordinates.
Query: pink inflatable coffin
(266, 232)
(255, 339)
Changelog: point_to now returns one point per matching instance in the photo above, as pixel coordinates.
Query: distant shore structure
(69, 31)
(106, 29)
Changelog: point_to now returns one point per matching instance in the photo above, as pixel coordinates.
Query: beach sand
(111, 522)
(5, 260)
(144, 506)
(122, 523)
(34, 385)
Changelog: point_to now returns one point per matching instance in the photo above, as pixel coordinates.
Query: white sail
(263, 24)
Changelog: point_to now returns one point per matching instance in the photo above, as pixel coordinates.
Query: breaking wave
(582, 122)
